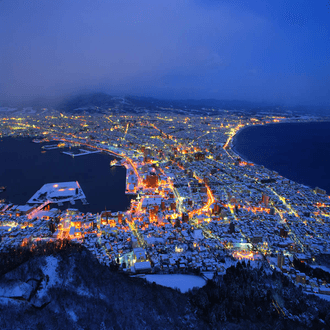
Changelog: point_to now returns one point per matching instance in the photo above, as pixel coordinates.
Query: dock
(82, 153)
(50, 147)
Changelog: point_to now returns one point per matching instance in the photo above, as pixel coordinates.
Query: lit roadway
(232, 133)
(209, 192)
(135, 231)
(292, 211)
(210, 199)
(131, 223)
(205, 208)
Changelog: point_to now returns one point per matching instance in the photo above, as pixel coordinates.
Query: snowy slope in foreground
(182, 282)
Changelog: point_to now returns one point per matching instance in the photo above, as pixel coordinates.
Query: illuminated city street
(191, 200)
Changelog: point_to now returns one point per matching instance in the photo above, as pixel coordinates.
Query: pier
(82, 152)
(50, 147)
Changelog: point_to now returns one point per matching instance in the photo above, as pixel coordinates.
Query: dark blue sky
(258, 50)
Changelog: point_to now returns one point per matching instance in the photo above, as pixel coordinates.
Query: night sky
(256, 50)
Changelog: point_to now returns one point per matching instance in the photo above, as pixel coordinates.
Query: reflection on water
(25, 168)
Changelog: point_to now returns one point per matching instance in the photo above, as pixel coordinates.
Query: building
(231, 228)
(105, 215)
(185, 217)
(257, 239)
(216, 209)
(141, 267)
(151, 180)
(147, 152)
(199, 156)
(324, 290)
(319, 191)
(265, 199)
(301, 278)
(139, 254)
(23, 209)
(283, 232)
(149, 202)
(280, 260)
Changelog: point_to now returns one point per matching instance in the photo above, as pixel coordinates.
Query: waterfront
(198, 210)
(24, 169)
(298, 151)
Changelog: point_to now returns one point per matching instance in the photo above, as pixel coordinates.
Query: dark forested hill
(69, 289)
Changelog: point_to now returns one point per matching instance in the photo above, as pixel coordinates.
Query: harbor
(54, 146)
(115, 162)
(28, 162)
(58, 193)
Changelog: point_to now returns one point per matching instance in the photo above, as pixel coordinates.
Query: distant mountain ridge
(86, 101)
(102, 102)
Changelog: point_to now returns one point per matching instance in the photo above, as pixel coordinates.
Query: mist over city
(273, 52)
(164, 164)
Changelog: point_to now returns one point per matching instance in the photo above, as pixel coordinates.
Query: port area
(81, 152)
(115, 162)
(54, 146)
(58, 193)
(132, 181)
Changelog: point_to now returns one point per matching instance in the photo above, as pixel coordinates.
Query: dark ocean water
(24, 170)
(299, 151)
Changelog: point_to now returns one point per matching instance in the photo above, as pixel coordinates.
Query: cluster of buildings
(196, 201)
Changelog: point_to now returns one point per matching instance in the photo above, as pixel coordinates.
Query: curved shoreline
(234, 140)
(244, 158)
(95, 197)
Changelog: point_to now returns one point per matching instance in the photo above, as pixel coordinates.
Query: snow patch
(322, 296)
(16, 289)
(102, 296)
(82, 291)
(208, 275)
(326, 269)
(8, 301)
(50, 270)
(72, 315)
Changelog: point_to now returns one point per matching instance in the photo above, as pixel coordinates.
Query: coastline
(234, 141)
(60, 168)
(233, 145)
